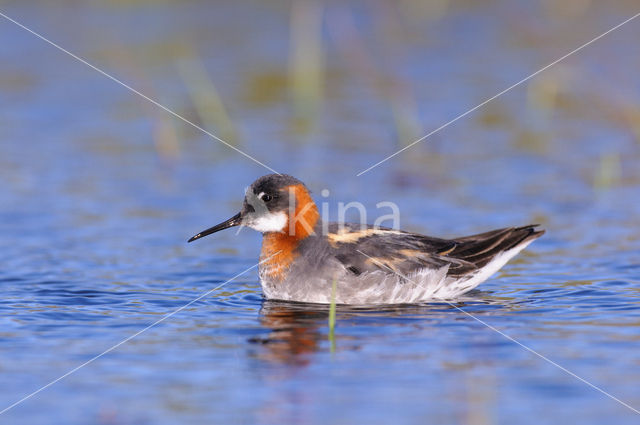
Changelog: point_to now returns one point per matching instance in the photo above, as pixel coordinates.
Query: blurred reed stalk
(332, 315)
(165, 136)
(306, 63)
(206, 99)
(573, 9)
(632, 115)
(609, 171)
(541, 103)
(393, 91)
(397, 91)
(164, 133)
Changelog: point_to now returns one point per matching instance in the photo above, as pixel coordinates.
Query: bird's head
(275, 203)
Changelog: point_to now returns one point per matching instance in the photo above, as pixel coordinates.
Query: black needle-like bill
(236, 220)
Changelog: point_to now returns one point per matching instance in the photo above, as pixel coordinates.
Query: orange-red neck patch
(280, 246)
(305, 215)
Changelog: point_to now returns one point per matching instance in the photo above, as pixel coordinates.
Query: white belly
(382, 287)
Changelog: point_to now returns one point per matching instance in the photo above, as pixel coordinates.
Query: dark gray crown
(272, 183)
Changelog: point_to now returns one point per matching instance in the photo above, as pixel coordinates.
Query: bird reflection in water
(297, 331)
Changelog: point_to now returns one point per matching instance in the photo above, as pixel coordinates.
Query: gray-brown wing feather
(482, 248)
(365, 250)
(392, 250)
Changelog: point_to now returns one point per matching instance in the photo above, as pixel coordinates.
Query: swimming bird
(301, 257)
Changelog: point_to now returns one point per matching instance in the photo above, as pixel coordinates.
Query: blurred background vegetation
(322, 90)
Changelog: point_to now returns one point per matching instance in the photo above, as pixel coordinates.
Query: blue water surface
(101, 189)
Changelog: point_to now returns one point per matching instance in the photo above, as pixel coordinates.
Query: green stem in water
(332, 315)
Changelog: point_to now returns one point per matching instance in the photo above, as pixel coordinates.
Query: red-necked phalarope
(371, 265)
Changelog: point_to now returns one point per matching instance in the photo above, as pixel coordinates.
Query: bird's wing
(361, 250)
(482, 248)
(380, 249)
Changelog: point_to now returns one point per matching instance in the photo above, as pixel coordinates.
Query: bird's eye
(266, 198)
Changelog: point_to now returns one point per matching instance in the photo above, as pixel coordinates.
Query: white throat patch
(268, 222)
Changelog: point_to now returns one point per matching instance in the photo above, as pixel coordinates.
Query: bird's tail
(482, 248)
